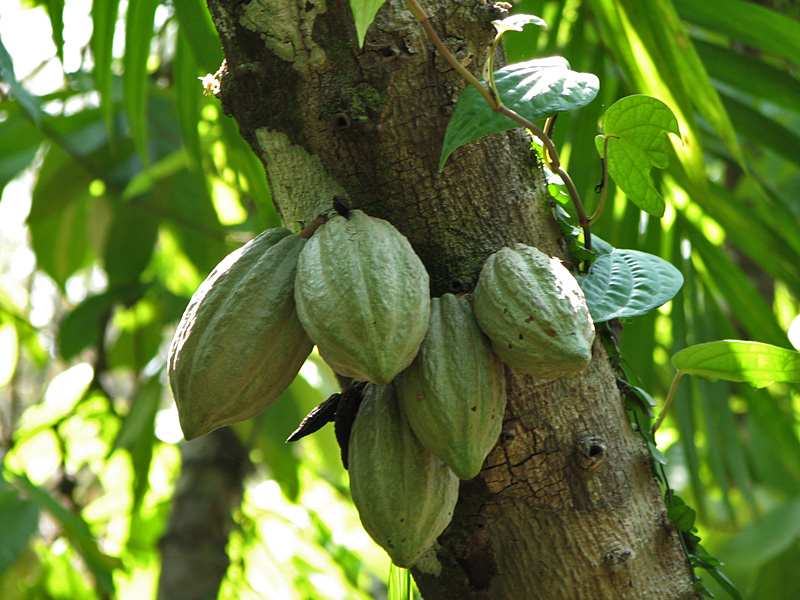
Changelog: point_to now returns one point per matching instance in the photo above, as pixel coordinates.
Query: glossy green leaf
(628, 283)
(364, 12)
(535, 89)
(104, 20)
(682, 517)
(138, 33)
(737, 360)
(19, 520)
(636, 127)
(77, 531)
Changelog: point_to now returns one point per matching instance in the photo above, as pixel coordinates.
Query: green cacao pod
(239, 343)
(454, 392)
(404, 494)
(534, 312)
(363, 297)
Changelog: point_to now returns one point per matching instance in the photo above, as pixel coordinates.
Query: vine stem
(490, 95)
(604, 183)
(667, 402)
(420, 15)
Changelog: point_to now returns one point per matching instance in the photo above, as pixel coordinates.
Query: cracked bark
(566, 505)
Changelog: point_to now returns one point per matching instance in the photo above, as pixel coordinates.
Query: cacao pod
(534, 312)
(239, 343)
(454, 392)
(404, 494)
(363, 297)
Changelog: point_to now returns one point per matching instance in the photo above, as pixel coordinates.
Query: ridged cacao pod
(404, 494)
(363, 297)
(454, 392)
(534, 312)
(239, 343)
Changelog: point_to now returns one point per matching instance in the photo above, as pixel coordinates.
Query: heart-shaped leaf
(535, 89)
(636, 128)
(628, 283)
(737, 360)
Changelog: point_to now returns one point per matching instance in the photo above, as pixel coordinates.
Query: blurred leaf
(188, 97)
(55, 10)
(535, 89)
(747, 22)
(765, 539)
(627, 283)
(364, 12)
(750, 75)
(19, 520)
(766, 131)
(725, 278)
(130, 242)
(140, 333)
(778, 578)
(19, 142)
(82, 327)
(678, 65)
(635, 128)
(26, 100)
(138, 33)
(61, 241)
(104, 21)
(736, 360)
(77, 531)
(197, 29)
(189, 212)
(143, 181)
(137, 435)
(399, 583)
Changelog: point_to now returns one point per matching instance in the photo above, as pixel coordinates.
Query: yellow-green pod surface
(534, 312)
(454, 392)
(363, 297)
(404, 494)
(239, 343)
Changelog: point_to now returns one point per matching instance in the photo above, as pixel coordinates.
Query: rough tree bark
(566, 505)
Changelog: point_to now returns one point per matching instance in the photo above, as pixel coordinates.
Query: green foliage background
(139, 186)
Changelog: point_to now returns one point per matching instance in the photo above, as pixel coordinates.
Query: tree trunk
(194, 558)
(566, 506)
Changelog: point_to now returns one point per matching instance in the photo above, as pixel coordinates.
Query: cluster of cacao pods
(434, 397)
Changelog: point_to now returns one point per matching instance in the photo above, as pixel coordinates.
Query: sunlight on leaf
(736, 360)
(517, 22)
(535, 89)
(628, 283)
(637, 127)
